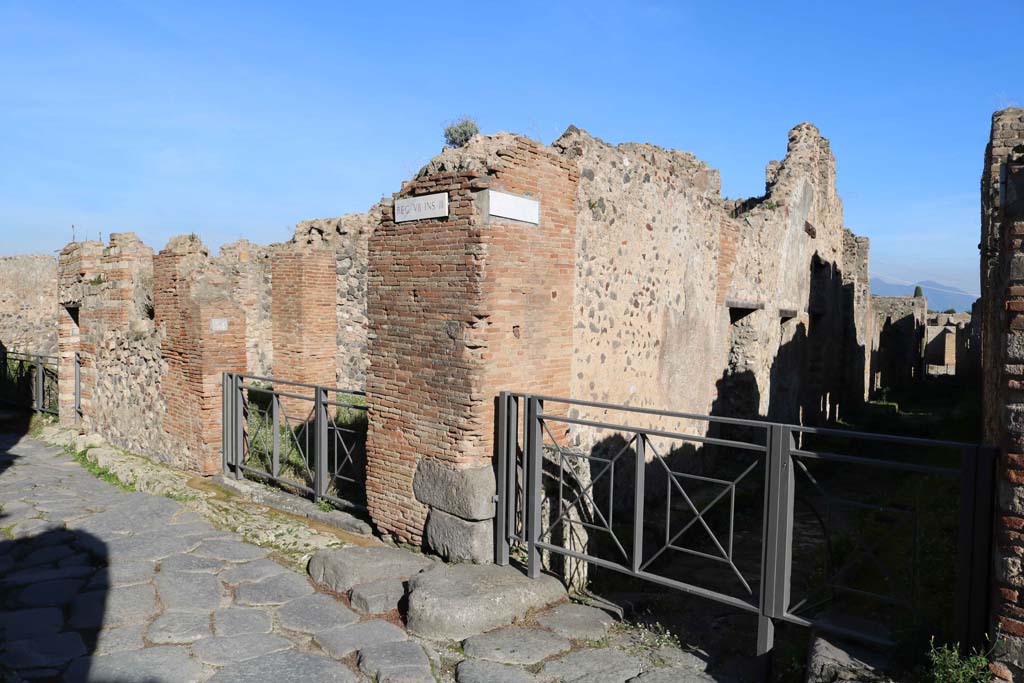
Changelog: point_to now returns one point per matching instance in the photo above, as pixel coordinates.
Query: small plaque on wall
(218, 325)
(514, 207)
(426, 206)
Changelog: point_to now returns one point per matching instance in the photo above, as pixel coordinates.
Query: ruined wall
(28, 303)
(462, 306)
(246, 268)
(349, 237)
(1002, 313)
(900, 326)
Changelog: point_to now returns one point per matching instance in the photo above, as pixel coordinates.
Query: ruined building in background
(580, 269)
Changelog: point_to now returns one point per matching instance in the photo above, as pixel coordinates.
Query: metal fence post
(639, 491)
(40, 384)
(78, 386)
(534, 458)
(238, 411)
(275, 415)
(225, 417)
(320, 443)
(777, 541)
(974, 547)
(501, 548)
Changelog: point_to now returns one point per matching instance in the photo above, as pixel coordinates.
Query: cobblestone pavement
(100, 584)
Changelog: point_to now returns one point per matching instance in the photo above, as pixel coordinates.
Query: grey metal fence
(306, 438)
(799, 525)
(29, 380)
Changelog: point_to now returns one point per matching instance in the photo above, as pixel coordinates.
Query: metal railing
(714, 513)
(305, 438)
(29, 380)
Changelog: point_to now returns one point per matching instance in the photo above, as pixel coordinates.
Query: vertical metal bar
(275, 413)
(225, 419)
(241, 432)
(40, 388)
(639, 494)
(78, 387)
(512, 475)
(533, 486)
(320, 443)
(769, 542)
(501, 549)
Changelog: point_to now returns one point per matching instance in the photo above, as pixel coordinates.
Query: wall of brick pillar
(460, 308)
(1002, 269)
(304, 290)
(204, 336)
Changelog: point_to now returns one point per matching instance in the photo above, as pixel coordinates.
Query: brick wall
(303, 313)
(1002, 311)
(459, 309)
(204, 337)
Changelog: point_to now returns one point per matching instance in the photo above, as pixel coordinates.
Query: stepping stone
(404, 662)
(240, 621)
(578, 622)
(342, 568)
(191, 563)
(593, 666)
(161, 663)
(315, 613)
(52, 650)
(275, 590)
(179, 627)
(28, 623)
(116, 607)
(227, 650)
(673, 675)
(251, 572)
(119, 639)
(479, 671)
(516, 645)
(285, 667)
(188, 592)
(229, 550)
(50, 593)
(341, 642)
(459, 601)
(378, 597)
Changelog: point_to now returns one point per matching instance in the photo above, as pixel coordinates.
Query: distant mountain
(940, 297)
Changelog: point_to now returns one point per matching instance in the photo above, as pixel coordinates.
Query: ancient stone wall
(900, 327)
(1002, 313)
(28, 303)
(246, 268)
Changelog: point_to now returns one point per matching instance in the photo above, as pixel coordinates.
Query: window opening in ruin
(73, 312)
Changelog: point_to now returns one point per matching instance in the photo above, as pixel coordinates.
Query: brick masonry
(459, 309)
(1002, 312)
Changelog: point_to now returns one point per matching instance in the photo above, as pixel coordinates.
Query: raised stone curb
(458, 540)
(460, 601)
(467, 493)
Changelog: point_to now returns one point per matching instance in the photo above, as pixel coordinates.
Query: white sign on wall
(504, 205)
(218, 325)
(426, 206)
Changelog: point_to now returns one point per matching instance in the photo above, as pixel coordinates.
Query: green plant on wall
(458, 133)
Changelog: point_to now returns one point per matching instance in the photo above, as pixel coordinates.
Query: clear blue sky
(240, 119)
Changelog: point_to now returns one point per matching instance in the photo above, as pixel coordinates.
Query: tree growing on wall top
(457, 134)
(918, 292)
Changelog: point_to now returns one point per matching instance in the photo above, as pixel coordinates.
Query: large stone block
(459, 540)
(468, 494)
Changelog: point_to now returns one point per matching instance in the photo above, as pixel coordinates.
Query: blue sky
(240, 119)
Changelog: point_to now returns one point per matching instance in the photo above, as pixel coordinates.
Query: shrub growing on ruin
(918, 292)
(457, 134)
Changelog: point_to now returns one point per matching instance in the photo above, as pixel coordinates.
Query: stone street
(100, 584)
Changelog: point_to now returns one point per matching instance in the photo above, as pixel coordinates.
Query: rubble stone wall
(28, 303)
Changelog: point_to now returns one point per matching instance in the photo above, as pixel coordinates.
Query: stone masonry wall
(1002, 312)
(900, 324)
(28, 305)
